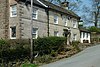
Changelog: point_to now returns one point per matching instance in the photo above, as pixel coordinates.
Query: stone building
(4, 18)
(48, 20)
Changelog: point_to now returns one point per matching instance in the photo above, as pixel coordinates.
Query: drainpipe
(6, 20)
(47, 11)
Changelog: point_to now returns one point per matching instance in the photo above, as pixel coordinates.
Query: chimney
(65, 5)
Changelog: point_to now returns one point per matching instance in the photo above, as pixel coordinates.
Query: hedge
(14, 50)
(48, 44)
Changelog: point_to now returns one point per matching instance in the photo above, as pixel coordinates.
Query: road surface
(90, 57)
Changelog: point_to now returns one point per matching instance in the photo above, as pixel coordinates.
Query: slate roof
(84, 30)
(60, 9)
(53, 7)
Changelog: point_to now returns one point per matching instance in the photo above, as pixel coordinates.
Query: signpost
(31, 24)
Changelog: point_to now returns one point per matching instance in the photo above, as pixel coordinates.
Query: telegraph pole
(31, 55)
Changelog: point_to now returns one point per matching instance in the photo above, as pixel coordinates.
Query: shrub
(48, 44)
(44, 59)
(75, 44)
(94, 29)
(14, 50)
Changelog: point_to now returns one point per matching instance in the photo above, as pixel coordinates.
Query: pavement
(89, 57)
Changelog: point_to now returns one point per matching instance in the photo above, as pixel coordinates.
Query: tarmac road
(89, 57)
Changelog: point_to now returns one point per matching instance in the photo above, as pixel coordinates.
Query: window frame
(55, 19)
(36, 33)
(57, 33)
(11, 37)
(74, 37)
(87, 35)
(65, 20)
(12, 7)
(74, 23)
(83, 34)
(36, 13)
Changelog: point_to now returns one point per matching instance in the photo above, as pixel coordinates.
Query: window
(13, 32)
(13, 10)
(74, 24)
(74, 37)
(34, 14)
(80, 34)
(55, 19)
(65, 20)
(83, 35)
(56, 33)
(87, 35)
(35, 33)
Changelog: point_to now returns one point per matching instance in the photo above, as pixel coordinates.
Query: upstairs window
(55, 19)
(65, 19)
(35, 33)
(13, 10)
(34, 14)
(74, 24)
(13, 32)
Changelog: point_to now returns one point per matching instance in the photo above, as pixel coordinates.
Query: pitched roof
(84, 30)
(60, 9)
(53, 7)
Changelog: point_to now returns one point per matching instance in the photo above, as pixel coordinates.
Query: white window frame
(56, 33)
(35, 33)
(74, 37)
(65, 20)
(83, 34)
(87, 35)
(13, 8)
(35, 12)
(55, 19)
(11, 32)
(74, 24)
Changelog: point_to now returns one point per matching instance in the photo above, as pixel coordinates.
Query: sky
(88, 4)
(84, 13)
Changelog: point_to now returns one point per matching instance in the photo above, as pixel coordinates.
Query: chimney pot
(65, 5)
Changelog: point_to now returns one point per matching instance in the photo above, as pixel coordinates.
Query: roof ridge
(67, 11)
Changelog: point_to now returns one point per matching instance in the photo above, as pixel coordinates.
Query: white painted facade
(84, 36)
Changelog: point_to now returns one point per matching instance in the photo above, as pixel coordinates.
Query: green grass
(29, 65)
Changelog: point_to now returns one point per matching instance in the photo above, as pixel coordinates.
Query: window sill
(13, 38)
(56, 23)
(75, 27)
(65, 25)
(13, 16)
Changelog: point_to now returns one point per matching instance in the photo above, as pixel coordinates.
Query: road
(89, 57)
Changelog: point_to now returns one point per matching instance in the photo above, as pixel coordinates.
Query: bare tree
(96, 12)
(73, 5)
(88, 15)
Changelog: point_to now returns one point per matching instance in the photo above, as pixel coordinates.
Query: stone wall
(4, 16)
(60, 26)
(25, 21)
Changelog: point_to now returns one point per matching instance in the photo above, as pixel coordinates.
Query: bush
(48, 44)
(94, 29)
(19, 50)
(44, 59)
(12, 50)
